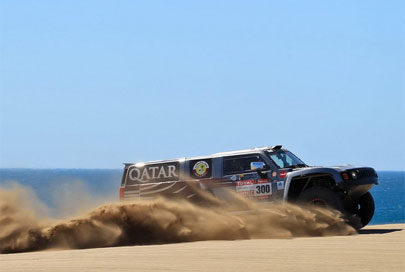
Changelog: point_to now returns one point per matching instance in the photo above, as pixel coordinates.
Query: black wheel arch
(299, 184)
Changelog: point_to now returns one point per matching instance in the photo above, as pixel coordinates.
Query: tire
(364, 208)
(321, 196)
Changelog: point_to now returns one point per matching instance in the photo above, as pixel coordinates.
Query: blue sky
(92, 84)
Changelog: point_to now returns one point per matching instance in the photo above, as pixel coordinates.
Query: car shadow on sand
(377, 231)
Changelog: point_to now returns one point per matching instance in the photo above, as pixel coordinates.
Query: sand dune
(376, 248)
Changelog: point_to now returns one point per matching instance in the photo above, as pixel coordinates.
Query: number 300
(262, 189)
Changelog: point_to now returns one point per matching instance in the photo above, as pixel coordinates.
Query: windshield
(285, 159)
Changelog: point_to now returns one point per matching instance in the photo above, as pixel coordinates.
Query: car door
(247, 182)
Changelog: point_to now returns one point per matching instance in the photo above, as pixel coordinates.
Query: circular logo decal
(200, 169)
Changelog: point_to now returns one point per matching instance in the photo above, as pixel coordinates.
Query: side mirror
(257, 166)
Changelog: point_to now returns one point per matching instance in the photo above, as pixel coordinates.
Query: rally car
(264, 174)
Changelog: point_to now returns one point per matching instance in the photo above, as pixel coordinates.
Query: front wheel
(321, 196)
(363, 208)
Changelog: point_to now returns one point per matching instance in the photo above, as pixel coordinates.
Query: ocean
(74, 185)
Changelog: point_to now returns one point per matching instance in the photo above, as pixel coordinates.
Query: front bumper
(358, 182)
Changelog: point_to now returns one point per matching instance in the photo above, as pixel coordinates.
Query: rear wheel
(321, 196)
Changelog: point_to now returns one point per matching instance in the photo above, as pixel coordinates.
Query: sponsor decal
(201, 168)
(234, 178)
(274, 174)
(246, 193)
(280, 185)
(283, 174)
(258, 189)
(154, 172)
(244, 182)
(262, 181)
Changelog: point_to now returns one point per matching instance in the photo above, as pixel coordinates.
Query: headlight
(350, 175)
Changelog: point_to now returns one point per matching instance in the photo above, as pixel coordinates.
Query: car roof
(215, 155)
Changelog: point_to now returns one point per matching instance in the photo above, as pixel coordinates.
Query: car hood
(335, 171)
(339, 168)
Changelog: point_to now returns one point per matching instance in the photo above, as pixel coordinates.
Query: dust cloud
(24, 225)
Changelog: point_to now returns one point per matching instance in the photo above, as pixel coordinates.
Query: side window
(240, 164)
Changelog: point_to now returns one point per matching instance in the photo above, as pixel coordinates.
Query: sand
(376, 248)
(159, 221)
